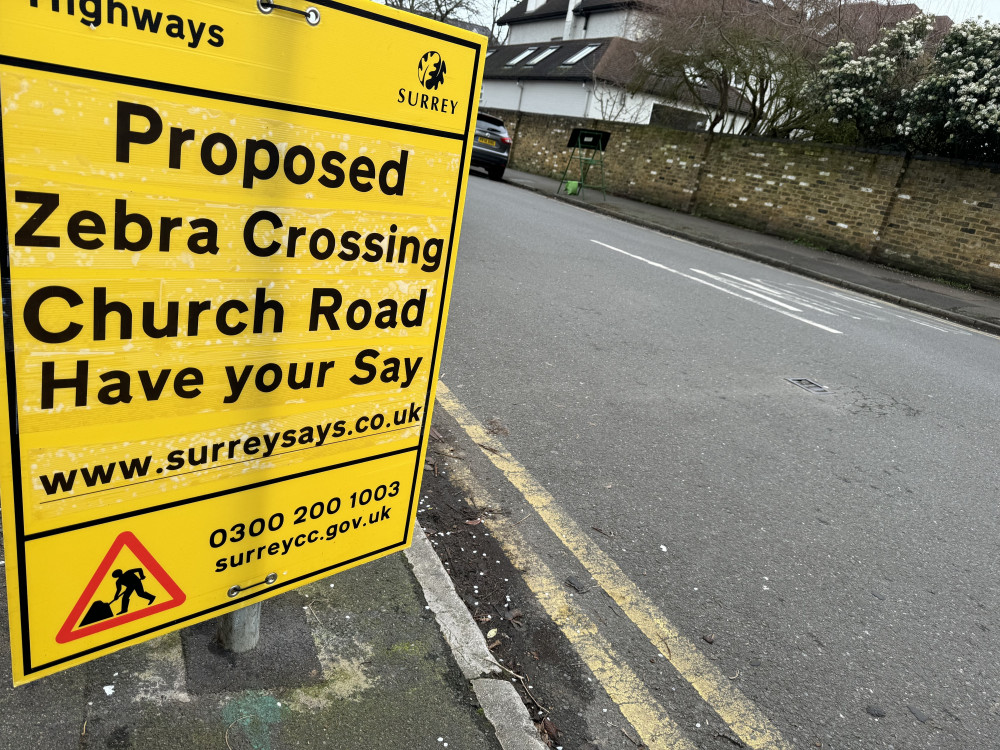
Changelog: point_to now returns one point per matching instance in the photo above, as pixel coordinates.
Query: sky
(959, 10)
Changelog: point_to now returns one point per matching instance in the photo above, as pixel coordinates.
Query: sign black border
(5, 280)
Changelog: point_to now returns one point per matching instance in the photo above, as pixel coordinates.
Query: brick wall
(946, 222)
(834, 198)
(933, 217)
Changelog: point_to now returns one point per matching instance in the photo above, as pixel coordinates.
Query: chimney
(568, 28)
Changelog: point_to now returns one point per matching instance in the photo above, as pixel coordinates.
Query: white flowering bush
(870, 91)
(955, 109)
(943, 101)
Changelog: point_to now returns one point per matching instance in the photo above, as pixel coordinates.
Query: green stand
(587, 153)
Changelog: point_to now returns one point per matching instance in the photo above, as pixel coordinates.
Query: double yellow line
(624, 687)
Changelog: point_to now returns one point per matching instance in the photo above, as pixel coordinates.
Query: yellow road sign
(231, 236)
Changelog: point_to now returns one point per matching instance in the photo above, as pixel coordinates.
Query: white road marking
(921, 322)
(799, 299)
(743, 288)
(719, 288)
(919, 318)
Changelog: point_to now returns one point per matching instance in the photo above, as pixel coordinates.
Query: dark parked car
(491, 146)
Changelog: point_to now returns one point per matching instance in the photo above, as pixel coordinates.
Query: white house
(578, 77)
(568, 57)
(577, 58)
(536, 21)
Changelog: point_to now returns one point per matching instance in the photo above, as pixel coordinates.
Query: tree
(440, 10)
(869, 91)
(743, 62)
(476, 15)
(954, 110)
(488, 15)
(751, 65)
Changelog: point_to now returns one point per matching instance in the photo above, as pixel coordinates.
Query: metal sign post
(239, 631)
(225, 292)
(587, 149)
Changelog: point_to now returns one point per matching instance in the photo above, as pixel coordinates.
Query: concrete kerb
(499, 700)
(513, 726)
(965, 320)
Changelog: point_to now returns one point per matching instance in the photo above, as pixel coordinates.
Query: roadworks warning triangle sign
(128, 580)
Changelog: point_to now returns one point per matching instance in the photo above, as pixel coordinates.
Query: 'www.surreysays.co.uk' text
(216, 454)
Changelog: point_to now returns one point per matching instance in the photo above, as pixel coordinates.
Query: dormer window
(537, 59)
(580, 55)
(521, 57)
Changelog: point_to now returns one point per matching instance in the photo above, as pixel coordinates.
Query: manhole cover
(810, 385)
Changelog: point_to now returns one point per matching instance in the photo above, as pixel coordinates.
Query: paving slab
(354, 661)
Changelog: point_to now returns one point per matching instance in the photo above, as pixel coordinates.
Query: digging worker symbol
(127, 583)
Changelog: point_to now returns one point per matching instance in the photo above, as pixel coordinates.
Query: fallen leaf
(492, 633)
(474, 522)
(496, 427)
(550, 728)
(708, 638)
(549, 742)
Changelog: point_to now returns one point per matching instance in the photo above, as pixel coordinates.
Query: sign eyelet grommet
(311, 13)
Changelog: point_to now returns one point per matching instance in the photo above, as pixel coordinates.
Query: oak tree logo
(431, 70)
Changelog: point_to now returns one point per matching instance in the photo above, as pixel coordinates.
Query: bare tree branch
(743, 62)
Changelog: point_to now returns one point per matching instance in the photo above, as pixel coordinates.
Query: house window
(580, 55)
(537, 59)
(521, 57)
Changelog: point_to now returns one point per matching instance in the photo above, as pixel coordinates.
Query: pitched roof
(592, 6)
(557, 9)
(863, 22)
(611, 59)
(520, 14)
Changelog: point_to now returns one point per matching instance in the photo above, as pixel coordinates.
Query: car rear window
(490, 119)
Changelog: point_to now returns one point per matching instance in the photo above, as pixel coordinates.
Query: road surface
(792, 564)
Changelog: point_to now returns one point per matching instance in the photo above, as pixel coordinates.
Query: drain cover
(810, 385)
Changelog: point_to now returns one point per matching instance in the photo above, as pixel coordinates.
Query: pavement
(385, 655)
(967, 307)
(381, 656)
